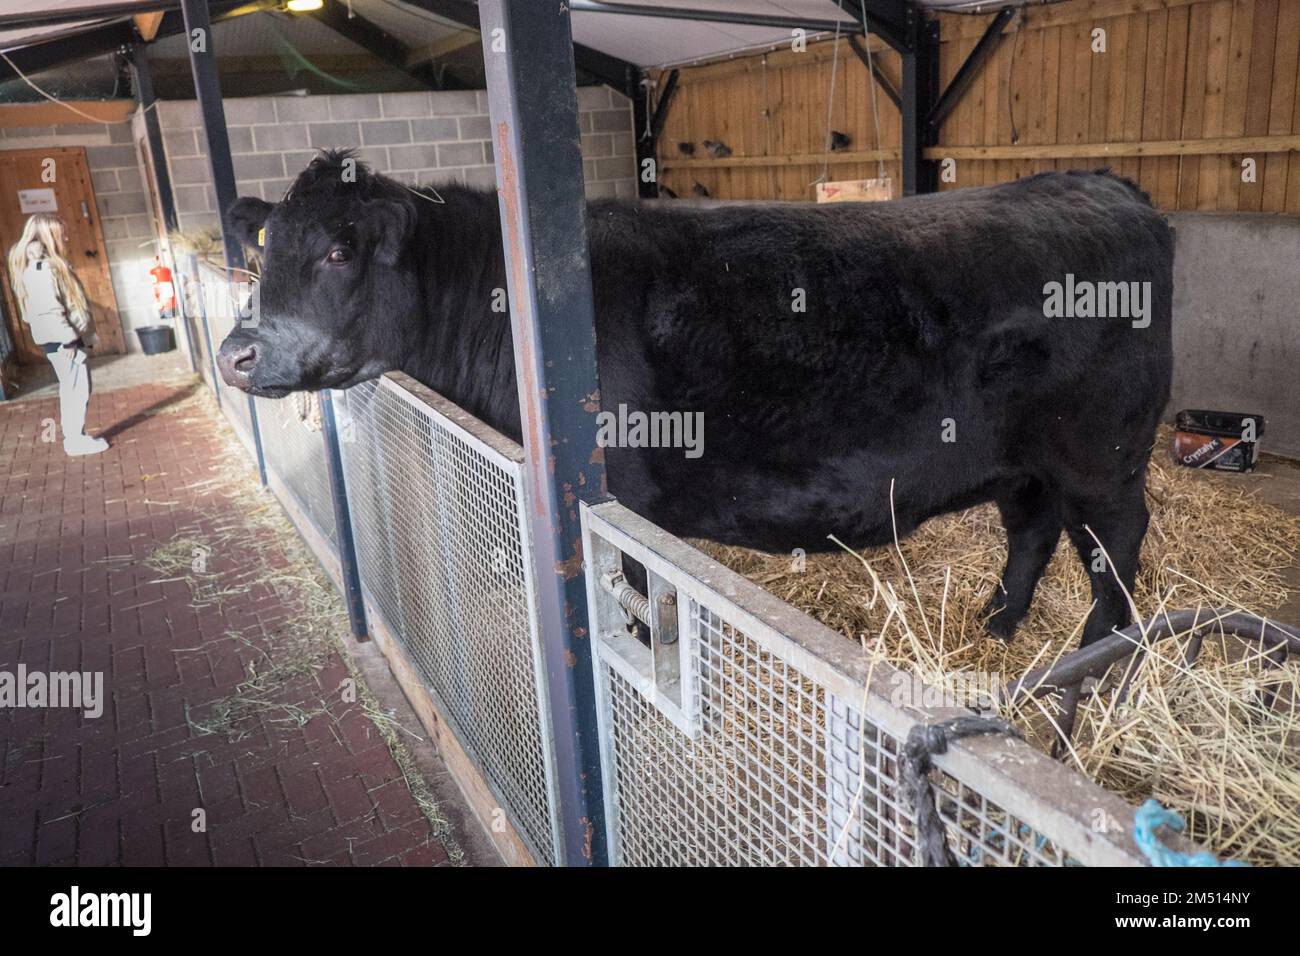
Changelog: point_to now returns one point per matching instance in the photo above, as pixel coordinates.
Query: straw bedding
(1194, 738)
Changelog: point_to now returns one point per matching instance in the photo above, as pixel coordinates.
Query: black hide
(924, 320)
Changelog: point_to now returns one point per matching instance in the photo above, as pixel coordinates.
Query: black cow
(928, 353)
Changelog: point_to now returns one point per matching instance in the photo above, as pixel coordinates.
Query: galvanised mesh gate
(294, 448)
(437, 507)
(219, 311)
(736, 737)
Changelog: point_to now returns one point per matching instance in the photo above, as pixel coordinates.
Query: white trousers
(74, 389)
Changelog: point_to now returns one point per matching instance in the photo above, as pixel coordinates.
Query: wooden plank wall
(775, 105)
(1184, 91)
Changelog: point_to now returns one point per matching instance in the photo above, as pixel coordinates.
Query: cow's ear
(247, 217)
(394, 225)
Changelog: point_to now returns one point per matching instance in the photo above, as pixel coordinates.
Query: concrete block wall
(122, 204)
(417, 138)
(1236, 335)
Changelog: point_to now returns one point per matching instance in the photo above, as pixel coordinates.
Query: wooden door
(74, 197)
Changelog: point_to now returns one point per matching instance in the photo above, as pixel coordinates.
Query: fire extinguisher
(164, 292)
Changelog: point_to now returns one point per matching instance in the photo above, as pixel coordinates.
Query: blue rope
(1150, 817)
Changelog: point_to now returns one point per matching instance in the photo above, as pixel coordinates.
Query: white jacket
(45, 312)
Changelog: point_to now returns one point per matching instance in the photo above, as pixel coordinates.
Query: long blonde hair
(43, 239)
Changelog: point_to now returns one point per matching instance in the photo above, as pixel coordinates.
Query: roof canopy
(645, 33)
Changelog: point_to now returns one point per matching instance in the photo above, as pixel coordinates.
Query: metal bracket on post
(350, 571)
(528, 55)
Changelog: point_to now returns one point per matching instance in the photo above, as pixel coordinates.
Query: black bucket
(1222, 441)
(156, 338)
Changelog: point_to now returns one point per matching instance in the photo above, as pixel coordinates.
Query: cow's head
(337, 284)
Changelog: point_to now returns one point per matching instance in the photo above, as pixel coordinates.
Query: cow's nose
(236, 364)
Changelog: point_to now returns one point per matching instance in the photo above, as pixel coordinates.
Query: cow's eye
(338, 255)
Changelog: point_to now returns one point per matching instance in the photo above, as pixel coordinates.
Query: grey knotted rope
(923, 742)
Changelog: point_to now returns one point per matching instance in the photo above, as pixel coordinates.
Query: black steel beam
(600, 66)
(35, 16)
(534, 110)
(350, 570)
(113, 36)
(46, 55)
(886, 18)
(913, 122)
(646, 129)
(966, 73)
(927, 51)
(207, 90)
(153, 133)
(920, 81)
(609, 70)
(661, 108)
(378, 42)
(643, 145)
(882, 81)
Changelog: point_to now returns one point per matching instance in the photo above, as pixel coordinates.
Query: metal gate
(437, 503)
(736, 737)
(294, 448)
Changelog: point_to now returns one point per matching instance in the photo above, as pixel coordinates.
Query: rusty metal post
(528, 52)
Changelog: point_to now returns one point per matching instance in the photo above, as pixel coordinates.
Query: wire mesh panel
(754, 750)
(294, 449)
(437, 509)
(219, 303)
(193, 318)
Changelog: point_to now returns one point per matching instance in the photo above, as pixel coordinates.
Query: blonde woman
(53, 303)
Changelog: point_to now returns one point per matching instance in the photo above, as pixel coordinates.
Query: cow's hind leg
(1032, 517)
(1107, 531)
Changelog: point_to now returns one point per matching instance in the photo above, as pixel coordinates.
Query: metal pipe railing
(1067, 675)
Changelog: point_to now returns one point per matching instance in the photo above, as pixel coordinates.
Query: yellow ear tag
(261, 236)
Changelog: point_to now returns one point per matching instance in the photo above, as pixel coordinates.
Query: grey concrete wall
(1237, 319)
(417, 138)
(122, 204)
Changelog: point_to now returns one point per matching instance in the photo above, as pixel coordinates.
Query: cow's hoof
(1001, 622)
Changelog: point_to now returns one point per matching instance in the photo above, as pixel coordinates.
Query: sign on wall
(855, 190)
(37, 200)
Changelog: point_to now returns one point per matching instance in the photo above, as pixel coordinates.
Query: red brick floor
(76, 594)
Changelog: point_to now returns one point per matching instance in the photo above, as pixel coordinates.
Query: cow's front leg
(1032, 518)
